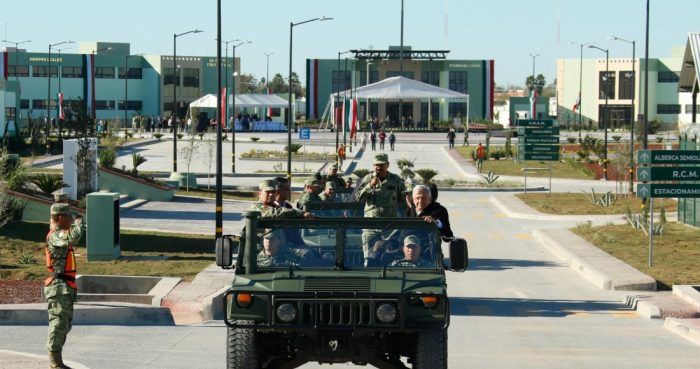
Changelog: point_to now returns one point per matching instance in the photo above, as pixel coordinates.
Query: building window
(668, 109)
(435, 112)
(626, 86)
(168, 76)
(21, 71)
(458, 82)
(689, 109)
(396, 73)
(134, 73)
(607, 85)
(104, 104)
(667, 76)
(455, 110)
(24, 104)
(276, 112)
(339, 83)
(42, 71)
(136, 105)
(42, 104)
(72, 72)
(10, 113)
(430, 77)
(104, 72)
(374, 109)
(190, 77)
(373, 77)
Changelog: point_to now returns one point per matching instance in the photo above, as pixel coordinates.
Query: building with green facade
(113, 84)
(325, 77)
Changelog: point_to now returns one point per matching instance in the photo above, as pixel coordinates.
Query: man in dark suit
(431, 212)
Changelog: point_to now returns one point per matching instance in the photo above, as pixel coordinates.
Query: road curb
(688, 294)
(89, 314)
(686, 328)
(598, 267)
(528, 213)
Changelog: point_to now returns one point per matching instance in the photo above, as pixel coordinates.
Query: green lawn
(187, 254)
(577, 203)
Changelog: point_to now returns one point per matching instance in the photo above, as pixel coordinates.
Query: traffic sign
(538, 156)
(668, 156)
(542, 123)
(668, 174)
(527, 148)
(305, 133)
(538, 140)
(668, 190)
(551, 131)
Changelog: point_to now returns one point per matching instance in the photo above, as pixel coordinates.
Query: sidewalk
(25, 360)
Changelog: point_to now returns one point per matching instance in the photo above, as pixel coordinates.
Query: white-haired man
(431, 211)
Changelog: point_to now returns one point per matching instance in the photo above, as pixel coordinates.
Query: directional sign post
(538, 132)
(539, 123)
(304, 134)
(668, 173)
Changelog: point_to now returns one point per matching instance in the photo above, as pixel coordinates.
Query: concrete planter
(38, 208)
(135, 188)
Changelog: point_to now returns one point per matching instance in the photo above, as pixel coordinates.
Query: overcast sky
(504, 30)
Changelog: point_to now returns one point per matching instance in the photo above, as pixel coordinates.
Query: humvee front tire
(431, 350)
(241, 349)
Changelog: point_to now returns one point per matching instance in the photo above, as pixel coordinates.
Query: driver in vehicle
(412, 254)
(274, 252)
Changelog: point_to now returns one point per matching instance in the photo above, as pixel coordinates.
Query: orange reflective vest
(69, 271)
(480, 152)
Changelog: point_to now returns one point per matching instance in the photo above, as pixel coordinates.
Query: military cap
(274, 233)
(57, 209)
(381, 159)
(60, 195)
(268, 185)
(334, 166)
(330, 184)
(311, 182)
(411, 240)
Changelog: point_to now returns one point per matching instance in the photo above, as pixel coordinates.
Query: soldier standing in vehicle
(381, 191)
(60, 289)
(328, 194)
(267, 207)
(333, 176)
(310, 193)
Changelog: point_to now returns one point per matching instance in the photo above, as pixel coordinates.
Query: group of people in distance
(383, 194)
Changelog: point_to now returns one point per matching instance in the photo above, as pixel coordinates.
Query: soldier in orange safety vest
(480, 153)
(60, 289)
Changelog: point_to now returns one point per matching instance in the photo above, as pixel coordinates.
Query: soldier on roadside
(60, 289)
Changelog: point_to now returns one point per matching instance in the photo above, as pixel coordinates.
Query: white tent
(243, 101)
(402, 88)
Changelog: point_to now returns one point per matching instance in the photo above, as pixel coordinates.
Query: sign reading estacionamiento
(668, 190)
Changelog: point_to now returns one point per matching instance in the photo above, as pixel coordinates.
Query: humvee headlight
(386, 313)
(244, 300)
(429, 301)
(287, 313)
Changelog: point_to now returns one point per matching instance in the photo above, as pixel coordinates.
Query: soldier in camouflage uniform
(411, 251)
(310, 193)
(382, 192)
(334, 177)
(60, 289)
(328, 194)
(267, 207)
(275, 253)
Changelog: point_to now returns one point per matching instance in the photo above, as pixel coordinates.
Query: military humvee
(360, 290)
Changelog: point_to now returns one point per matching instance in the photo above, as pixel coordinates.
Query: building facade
(113, 84)
(473, 77)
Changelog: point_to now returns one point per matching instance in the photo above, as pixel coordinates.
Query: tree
(279, 84)
(539, 82)
(248, 84)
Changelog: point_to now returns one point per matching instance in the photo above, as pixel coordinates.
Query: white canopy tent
(242, 101)
(402, 88)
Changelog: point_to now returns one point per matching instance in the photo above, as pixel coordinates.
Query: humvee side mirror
(225, 249)
(459, 255)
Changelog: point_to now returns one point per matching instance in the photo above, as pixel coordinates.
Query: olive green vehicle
(338, 290)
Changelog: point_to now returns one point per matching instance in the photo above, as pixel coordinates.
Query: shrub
(179, 136)
(427, 174)
(616, 138)
(158, 136)
(11, 209)
(659, 139)
(136, 160)
(571, 140)
(48, 183)
(26, 258)
(107, 158)
(294, 148)
(361, 173)
(255, 139)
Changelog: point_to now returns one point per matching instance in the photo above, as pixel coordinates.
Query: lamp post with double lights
(58, 107)
(580, 82)
(226, 74)
(605, 114)
(337, 101)
(48, 97)
(267, 81)
(634, 110)
(290, 117)
(233, 107)
(16, 54)
(176, 82)
(534, 86)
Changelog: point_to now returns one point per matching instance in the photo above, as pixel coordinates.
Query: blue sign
(305, 133)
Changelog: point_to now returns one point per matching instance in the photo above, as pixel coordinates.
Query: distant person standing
(382, 138)
(480, 154)
(392, 139)
(373, 140)
(364, 140)
(451, 138)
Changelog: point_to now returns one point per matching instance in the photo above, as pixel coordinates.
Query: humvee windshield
(359, 248)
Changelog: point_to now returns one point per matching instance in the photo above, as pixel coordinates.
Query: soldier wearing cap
(411, 254)
(267, 207)
(334, 177)
(328, 194)
(310, 193)
(60, 196)
(274, 252)
(60, 289)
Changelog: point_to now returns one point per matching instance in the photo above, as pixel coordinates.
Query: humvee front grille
(337, 285)
(336, 313)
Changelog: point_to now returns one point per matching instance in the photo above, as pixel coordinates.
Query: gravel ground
(20, 292)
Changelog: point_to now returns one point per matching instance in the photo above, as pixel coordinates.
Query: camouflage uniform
(59, 295)
(268, 211)
(337, 179)
(283, 258)
(307, 198)
(327, 198)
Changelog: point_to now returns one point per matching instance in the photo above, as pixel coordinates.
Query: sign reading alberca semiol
(668, 157)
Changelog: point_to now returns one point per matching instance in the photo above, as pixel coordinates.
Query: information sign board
(668, 174)
(668, 190)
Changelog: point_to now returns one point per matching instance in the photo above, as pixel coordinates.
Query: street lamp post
(58, 113)
(126, 93)
(580, 82)
(176, 81)
(16, 54)
(605, 114)
(48, 98)
(367, 101)
(226, 74)
(337, 101)
(233, 108)
(267, 79)
(94, 109)
(534, 86)
(290, 117)
(634, 110)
